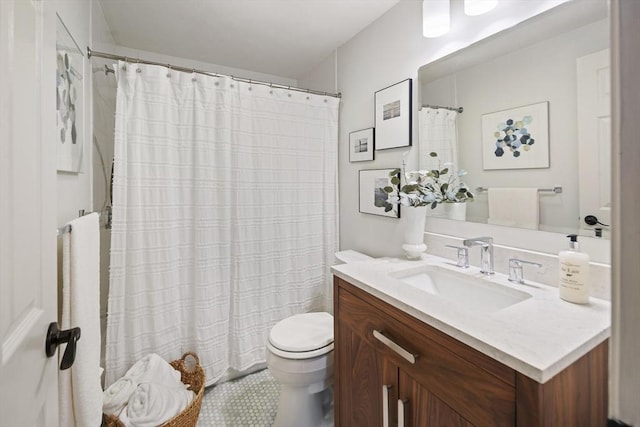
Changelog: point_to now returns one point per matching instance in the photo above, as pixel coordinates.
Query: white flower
(425, 187)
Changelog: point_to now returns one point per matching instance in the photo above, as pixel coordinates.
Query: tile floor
(250, 401)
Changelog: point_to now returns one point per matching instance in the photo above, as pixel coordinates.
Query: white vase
(414, 219)
(457, 211)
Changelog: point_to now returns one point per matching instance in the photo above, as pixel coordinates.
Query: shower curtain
(224, 216)
(438, 133)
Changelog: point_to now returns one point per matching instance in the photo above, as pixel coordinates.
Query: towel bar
(557, 189)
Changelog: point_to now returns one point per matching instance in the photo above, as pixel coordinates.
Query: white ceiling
(280, 37)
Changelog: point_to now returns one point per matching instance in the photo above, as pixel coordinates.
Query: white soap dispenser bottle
(574, 273)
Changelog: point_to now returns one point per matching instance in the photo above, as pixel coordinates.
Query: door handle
(401, 414)
(385, 405)
(55, 337)
(409, 357)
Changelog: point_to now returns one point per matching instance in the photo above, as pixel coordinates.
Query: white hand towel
(153, 368)
(514, 207)
(79, 389)
(116, 396)
(153, 404)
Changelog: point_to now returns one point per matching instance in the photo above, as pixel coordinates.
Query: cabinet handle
(411, 358)
(385, 405)
(401, 407)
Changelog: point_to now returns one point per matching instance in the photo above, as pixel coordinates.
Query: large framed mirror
(559, 59)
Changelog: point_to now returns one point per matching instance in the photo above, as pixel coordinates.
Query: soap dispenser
(574, 273)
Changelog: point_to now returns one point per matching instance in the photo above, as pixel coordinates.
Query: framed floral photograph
(361, 145)
(372, 194)
(70, 107)
(517, 138)
(393, 116)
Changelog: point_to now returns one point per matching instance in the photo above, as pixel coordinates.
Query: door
(594, 138)
(418, 406)
(28, 296)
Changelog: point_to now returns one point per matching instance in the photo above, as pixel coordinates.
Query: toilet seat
(302, 336)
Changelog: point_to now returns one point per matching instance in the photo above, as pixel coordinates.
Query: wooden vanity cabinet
(377, 381)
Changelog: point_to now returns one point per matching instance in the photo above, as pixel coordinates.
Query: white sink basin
(467, 291)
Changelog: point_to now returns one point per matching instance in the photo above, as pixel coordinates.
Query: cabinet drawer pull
(401, 413)
(411, 358)
(385, 405)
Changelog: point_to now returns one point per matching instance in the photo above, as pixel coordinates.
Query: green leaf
(395, 180)
(444, 171)
(433, 154)
(394, 172)
(388, 207)
(388, 189)
(433, 205)
(409, 188)
(436, 174)
(444, 187)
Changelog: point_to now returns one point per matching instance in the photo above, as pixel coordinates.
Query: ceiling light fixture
(478, 7)
(436, 19)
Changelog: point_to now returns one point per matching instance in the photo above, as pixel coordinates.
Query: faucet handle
(516, 273)
(463, 255)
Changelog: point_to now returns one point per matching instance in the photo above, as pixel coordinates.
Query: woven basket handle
(195, 357)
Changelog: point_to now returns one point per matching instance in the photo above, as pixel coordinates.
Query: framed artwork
(69, 100)
(361, 145)
(517, 138)
(373, 199)
(393, 116)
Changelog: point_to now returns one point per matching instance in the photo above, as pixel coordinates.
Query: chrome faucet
(516, 274)
(486, 252)
(463, 255)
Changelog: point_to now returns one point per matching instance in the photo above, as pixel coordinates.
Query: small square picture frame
(372, 197)
(361, 145)
(516, 138)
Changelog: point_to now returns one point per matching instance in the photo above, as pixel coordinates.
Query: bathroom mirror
(558, 60)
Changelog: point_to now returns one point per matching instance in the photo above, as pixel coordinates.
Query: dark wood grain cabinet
(392, 369)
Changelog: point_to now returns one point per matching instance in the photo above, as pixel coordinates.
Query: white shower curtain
(224, 216)
(438, 133)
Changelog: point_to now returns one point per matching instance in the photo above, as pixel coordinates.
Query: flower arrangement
(428, 188)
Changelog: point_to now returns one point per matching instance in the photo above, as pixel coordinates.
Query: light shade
(436, 19)
(478, 7)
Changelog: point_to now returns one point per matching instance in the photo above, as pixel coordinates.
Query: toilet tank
(345, 257)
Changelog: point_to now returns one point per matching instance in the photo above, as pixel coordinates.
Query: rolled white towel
(116, 396)
(153, 404)
(153, 368)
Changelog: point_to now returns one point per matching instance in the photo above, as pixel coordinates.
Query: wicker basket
(194, 378)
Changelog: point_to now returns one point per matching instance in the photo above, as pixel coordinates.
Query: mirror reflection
(533, 133)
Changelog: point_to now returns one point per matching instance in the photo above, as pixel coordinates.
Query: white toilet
(300, 358)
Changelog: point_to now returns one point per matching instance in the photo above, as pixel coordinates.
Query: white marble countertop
(538, 337)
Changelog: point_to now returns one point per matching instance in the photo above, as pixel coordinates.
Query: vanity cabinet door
(423, 407)
(359, 377)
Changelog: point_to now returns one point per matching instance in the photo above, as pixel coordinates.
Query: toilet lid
(303, 332)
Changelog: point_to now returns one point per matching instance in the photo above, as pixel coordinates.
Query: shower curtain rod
(91, 53)
(458, 109)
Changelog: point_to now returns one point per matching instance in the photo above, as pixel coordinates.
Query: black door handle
(593, 220)
(55, 337)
